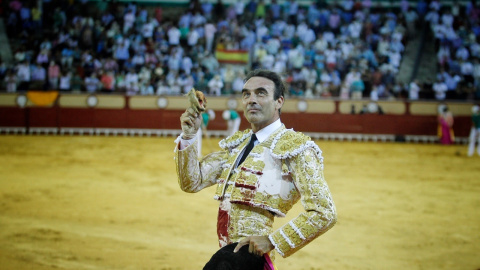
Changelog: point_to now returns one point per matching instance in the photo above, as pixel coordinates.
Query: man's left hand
(257, 245)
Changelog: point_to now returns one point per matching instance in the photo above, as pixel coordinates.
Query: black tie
(248, 148)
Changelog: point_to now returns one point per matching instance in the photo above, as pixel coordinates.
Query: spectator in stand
(43, 58)
(131, 80)
(462, 53)
(11, 81)
(228, 76)
(36, 19)
(352, 75)
(120, 84)
(77, 83)
(443, 55)
(39, 77)
(128, 21)
(132, 89)
(67, 57)
(175, 83)
(111, 65)
(209, 31)
(357, 86)
(107, 79)
(138, 60)
(53, 75)
(91, 83)
(187, 64)
(186, 82)
(162, 88)
(440, 89)
(292, 11)
(173, 36)
(237, 84)
(451, 80)
(413, 90)
(147, 88)
(215, 85)
(334, 21)
(207, 8)
(65, 81)
(121, 53)
(435, 5)
(466, 69)
(210, 62)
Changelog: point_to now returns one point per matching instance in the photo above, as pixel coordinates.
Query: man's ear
(279, 102)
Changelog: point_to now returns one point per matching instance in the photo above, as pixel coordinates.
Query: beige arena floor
(113, 203)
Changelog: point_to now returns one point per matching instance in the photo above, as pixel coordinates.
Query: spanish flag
(232, 56)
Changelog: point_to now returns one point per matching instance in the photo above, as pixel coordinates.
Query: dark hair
(226, 259)
(272, 76)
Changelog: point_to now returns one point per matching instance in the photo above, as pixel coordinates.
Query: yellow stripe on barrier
(42, 98)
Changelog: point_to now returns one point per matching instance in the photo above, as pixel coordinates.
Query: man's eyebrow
(258, 89)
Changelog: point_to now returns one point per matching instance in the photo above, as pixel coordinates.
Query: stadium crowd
(346, 50)
(456, 31)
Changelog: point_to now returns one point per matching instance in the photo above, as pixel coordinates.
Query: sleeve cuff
(182, 143)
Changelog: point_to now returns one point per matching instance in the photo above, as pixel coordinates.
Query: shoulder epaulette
(290, 143)
(236, 139)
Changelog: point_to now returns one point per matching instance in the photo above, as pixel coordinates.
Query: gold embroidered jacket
(274, 176)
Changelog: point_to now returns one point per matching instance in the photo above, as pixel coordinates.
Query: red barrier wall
(125, 117)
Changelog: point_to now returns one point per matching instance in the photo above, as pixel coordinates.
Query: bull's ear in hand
(202, 100)
(197, 100)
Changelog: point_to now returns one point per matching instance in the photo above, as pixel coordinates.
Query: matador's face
(259, 106)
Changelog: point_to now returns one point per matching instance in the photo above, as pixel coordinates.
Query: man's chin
(251, 118)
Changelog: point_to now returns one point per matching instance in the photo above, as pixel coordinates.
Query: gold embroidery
(236, 139)
(289, 142)
(256, 166)
(292, 235)
(257, 149)
(250, 179)
(247, 221)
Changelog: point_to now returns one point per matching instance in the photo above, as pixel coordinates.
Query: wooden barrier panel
(161, 112)
(73, 101)
(177, 103)
(393, 107)
(111, 102)
(321, 106)
(423, 108)
(143, 103)
(388, 107)
(345, 106)
(8, 100)
(293, 105)
(431, 108)
(460, 109)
